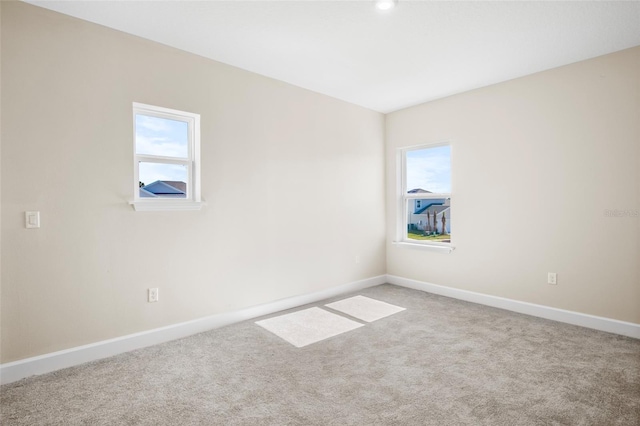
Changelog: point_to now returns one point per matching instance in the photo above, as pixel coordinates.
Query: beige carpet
(440, 362)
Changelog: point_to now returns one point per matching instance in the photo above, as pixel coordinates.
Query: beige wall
(536, 161)
(271, 153)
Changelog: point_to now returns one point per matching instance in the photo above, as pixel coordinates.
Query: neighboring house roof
(146, 194)
(418, 191)
(179, 185)
(165, 188)
(438, 208)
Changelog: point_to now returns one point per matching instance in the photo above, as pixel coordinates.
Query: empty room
(364, 212)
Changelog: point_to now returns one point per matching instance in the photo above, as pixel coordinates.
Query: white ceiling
(420, 51)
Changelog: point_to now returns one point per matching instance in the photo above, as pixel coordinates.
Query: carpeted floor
(439, 362)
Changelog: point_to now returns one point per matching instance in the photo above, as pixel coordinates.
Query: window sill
(428, 247)
(166, 205)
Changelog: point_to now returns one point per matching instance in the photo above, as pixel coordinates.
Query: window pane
(161, 136)
(426, 218)
(159, 180)
(429, 170)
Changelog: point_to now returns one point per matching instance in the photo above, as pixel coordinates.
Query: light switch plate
(32, 219)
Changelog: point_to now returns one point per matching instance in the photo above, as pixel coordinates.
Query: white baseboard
(576, 318)
(13, 371)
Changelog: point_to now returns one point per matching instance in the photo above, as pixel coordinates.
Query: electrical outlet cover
(153, 294)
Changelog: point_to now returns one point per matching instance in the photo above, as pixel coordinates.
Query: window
(424, 208)
(166, 159)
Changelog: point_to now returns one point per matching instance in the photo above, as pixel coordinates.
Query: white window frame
(193, 200)
(403, 199)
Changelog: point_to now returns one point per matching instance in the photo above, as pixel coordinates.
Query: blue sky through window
(162, 137)
(429, 169)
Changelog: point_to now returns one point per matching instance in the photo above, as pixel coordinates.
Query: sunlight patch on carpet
(308, 326)
(365, 308)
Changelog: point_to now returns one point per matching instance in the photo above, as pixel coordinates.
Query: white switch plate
(552, 278)
(32, 219)
(153, 294)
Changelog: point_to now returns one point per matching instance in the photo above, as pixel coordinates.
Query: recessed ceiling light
(385, 4)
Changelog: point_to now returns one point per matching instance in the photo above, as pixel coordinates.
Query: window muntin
(425, 205)
(166, 154)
